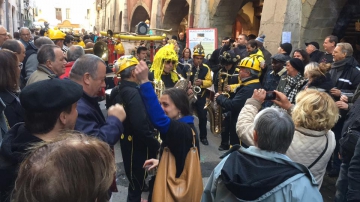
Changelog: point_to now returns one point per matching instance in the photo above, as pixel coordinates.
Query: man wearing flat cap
(312, 48)
(50, 106)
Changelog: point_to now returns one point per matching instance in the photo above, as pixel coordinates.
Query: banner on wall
(206, 36)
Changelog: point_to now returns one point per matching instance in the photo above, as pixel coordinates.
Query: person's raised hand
(342, 105)
(142, 72)
(344, 98)
(259, 95)
(153, 163)
(335, 92)
(118, 111)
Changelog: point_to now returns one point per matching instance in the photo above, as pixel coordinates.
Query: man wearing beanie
(285, 48)
(267, 55)
(273, 75)
(291, 83)
(50, 106)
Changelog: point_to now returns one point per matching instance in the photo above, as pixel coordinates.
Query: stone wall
(321, 16)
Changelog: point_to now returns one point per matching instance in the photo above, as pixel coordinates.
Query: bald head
(74, 53)
(3, 35)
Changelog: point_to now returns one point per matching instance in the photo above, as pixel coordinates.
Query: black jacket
(316, 56)
(346, 78)
(242, 93)
(241, 50)
(323, 83)
(231, 80)
(30, 49)
(14, 112)
(13, 152)
(214, 61)
(137, 124)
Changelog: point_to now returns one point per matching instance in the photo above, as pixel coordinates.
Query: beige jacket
(306, 146)
(42, 73)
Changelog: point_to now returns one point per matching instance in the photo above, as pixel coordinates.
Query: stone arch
(140, 12)
(323, 15)
(223, 15)
(173, 13)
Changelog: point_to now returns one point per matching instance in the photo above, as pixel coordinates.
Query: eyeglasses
(170, 61)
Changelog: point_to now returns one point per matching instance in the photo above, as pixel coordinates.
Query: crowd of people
(286, 120)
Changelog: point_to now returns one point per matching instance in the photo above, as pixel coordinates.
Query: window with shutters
(58, 14)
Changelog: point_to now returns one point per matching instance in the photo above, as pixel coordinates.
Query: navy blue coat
(92, 122)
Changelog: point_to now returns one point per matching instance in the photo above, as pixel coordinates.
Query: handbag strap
(193, 132)
(322, 154)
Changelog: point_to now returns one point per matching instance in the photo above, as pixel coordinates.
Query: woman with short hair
(314, 114)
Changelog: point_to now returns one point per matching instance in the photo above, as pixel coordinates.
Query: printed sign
(206, 36)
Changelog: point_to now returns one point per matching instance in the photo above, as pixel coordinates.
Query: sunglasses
(170, 61)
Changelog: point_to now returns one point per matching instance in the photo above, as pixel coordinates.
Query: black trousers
(133, 163)
(225, 129)
(202, 113)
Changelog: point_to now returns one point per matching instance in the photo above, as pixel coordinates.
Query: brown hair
(183, 53)
(9, 70)
(74, 167)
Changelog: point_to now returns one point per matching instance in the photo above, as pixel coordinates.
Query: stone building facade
(13, 13)
(307, 20)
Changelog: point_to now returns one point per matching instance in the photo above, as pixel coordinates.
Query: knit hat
(287, 47)
(298, 65)
(260, 38)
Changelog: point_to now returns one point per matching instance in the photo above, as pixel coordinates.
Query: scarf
(341, 63)
(293, 85)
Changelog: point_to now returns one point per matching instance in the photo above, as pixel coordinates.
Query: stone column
(125, 20)
(155, 18)
(201, 15)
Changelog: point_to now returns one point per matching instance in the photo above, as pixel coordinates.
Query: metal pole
(7, 14)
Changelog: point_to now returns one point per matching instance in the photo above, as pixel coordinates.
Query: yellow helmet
(147, 21)
(119, 49)
(56, 34)
(125, 62)
(81, 43)
(251, 63)
(199, 50)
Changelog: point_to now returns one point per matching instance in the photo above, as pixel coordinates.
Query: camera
(270, 95)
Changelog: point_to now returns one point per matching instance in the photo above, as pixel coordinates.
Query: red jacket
(68, 67)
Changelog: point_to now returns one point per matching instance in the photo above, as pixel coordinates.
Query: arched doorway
(140, 14)
(234, 17)
(175, 13)
(347, 26)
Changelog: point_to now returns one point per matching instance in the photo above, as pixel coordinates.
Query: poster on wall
(206, 36)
